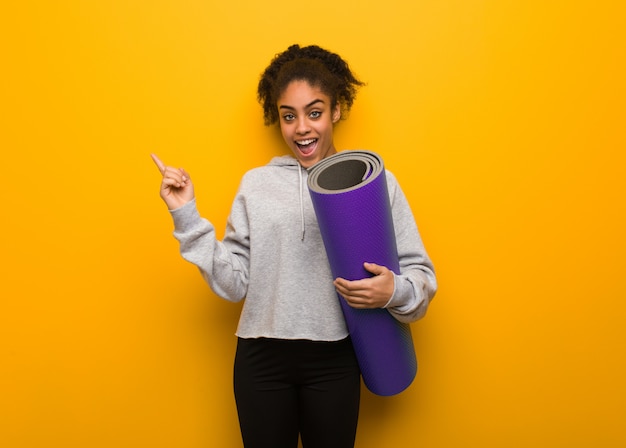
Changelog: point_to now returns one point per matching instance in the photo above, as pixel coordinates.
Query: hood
(292, 162)
(284, 161)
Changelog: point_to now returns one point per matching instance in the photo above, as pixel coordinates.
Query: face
(306, 122)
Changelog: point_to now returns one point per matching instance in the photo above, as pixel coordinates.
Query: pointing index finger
(158, 163)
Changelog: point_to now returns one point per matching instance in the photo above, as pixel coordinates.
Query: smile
(307, 146)
(305, 143)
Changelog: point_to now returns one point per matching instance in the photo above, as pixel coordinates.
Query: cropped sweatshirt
(272, 255)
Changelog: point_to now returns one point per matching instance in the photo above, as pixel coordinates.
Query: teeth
(305, 142)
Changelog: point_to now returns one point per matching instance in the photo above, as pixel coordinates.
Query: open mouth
(307, 146)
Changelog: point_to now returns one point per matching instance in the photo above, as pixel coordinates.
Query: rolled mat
(351, 202)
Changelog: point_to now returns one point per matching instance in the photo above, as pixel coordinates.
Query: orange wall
(503, 120)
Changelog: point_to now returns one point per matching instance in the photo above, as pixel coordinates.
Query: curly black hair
(315, 65)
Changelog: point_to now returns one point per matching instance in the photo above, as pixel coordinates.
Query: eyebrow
(306, 107)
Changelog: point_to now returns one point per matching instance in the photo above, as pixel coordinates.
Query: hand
(373, 292)
(176, 186)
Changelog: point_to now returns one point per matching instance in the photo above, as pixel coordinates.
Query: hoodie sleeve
(223, 264)
(416, 284)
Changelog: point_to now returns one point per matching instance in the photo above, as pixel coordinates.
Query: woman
(295, 371)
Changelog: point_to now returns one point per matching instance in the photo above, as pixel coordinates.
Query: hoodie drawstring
(301, 202)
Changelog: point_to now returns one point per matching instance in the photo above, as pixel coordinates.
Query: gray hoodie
(272, 255)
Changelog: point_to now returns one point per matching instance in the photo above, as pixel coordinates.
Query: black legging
(284, 388)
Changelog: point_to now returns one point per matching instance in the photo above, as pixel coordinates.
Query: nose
(302, 126)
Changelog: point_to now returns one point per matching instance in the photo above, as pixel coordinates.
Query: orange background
(503, 120)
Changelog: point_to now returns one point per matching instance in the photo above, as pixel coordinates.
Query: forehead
(301, 93)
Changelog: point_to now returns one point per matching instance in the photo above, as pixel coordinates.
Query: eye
(289, 117)
(315, 114)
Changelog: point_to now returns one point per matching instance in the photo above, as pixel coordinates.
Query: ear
(336, 113)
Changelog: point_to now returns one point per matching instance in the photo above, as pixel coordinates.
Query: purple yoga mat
(351, 201)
